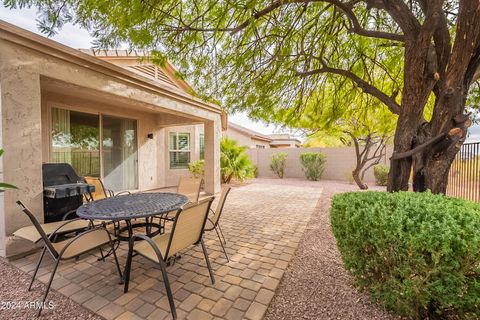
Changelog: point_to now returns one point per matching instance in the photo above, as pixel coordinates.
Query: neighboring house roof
(138, 61)
(253, 134)
(280, 139)
(30, 40)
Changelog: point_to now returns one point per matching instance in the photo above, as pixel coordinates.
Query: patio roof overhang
(30, 40)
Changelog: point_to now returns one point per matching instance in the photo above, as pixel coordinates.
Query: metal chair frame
(163, 260)
(58, 256)
(107, 192)
(216, 223)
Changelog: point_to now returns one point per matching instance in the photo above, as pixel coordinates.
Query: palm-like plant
(3, 185)
(234, 161)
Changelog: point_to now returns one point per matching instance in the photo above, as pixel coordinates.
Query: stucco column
(213, 134)
(20, 100)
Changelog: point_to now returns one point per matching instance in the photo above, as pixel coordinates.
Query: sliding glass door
(75, 139)
(119, 152)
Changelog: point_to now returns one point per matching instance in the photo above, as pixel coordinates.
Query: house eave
(30, 40)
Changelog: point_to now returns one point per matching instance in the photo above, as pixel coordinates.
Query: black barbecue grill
(63, 190)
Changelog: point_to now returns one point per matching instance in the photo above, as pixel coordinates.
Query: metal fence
(464, 176)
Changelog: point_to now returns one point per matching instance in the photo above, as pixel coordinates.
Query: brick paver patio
(263, 225)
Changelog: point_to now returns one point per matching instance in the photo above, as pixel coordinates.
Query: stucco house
(107, 113)
(246, 137)
(255, 140)
(284, 141)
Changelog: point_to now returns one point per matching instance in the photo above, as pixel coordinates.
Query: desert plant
(348, 176)
(381, 174)
(197, 168)
(234, 161)
(313, 164)
(416, 253)
(279, 161)
(3, 185)
(255, 171)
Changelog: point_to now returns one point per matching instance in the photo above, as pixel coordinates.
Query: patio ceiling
(57, 90)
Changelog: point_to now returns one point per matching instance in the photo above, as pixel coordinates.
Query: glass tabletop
(132, 206)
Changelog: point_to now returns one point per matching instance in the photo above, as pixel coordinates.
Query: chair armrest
(64, 224)
(64, 218)
(79, 236)
(122, 193)
(150, 242)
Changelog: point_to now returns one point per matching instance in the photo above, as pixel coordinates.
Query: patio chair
(187, 231)
(100, 191)
(213, 223)
(190, 187)
(59, 228)
(89, 240)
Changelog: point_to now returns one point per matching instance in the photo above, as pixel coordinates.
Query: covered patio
(261, 233)
(48, 89)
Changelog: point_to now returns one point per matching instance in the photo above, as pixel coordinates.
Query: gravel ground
(316, 285)
(14, 295)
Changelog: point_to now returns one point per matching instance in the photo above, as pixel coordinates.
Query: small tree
(313, 164)
(279, 161)
(234, 161)
(360, 122)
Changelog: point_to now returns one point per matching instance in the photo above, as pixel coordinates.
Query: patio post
(21, 139)
(213, 134)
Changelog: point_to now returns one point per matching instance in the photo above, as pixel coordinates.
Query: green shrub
(313, 164)
(349, 176)
(381, 174)
(255, 171)
(416, 253)
(197, 168)
(279, 161)
(234, 161)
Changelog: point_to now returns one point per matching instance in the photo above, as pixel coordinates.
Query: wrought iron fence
(464, 176)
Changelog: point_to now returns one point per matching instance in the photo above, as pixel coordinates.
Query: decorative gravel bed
(316, 285)
(15, 299)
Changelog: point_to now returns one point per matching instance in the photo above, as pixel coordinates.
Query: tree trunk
(358, 180)
(435, 67)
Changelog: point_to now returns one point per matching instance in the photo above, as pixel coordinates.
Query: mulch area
(316, 285)
(16, 300)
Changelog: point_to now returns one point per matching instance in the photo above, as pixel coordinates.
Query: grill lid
(61, 181)
(59, 173)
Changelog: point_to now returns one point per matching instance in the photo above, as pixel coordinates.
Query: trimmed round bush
(381, 174)
(418, 254)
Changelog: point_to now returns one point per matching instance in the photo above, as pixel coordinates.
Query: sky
(76, 37)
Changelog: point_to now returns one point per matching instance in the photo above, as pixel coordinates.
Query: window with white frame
(179, 150)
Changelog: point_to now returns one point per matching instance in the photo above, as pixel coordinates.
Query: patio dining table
(133, 206)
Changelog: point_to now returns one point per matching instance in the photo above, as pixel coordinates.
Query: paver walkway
(263, 225)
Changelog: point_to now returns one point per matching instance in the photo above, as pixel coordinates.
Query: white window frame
(178, 150)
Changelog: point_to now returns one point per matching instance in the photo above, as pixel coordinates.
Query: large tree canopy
(272, 58)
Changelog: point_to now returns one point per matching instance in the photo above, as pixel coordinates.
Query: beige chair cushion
(84, 243)
(146, 250)
(31, 233)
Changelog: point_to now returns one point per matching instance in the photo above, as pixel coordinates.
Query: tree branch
(347, 9)
(401, 13)
(390, 102)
